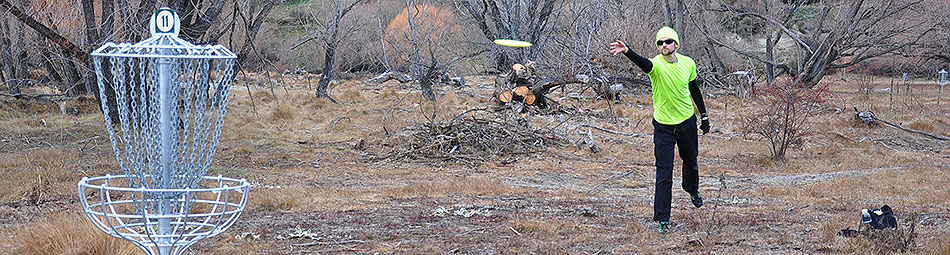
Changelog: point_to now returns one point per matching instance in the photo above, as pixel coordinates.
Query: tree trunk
(668, 12)
(717, 64)
(817, 65)
(680, 15)
(89, 18)
(196, 29)
(379, 32)
(22, 74)
(6, 55)
(327, 73)
(330, 53)
(72, 75)
(108, 21)
(331, 43)
(770, 57)
(419, 72)
(426, 83)
(94, 38)
(48, 64)
(3, 78)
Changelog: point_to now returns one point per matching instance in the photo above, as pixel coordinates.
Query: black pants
(665, 137)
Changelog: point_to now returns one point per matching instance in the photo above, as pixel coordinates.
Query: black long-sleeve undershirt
(641, 62)
(697, 95)
(647, 66)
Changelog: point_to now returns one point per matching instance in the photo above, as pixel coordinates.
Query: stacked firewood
(520, 89)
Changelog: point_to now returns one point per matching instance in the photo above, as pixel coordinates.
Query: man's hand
(617, 47)
(704, 123)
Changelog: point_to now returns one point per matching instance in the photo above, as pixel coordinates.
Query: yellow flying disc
(513, 43)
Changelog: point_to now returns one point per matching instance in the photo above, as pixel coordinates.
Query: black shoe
(696, 199)
(664, 227)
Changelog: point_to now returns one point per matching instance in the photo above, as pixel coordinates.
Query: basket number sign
(165, 22)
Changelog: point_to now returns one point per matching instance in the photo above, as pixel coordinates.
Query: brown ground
(314, 190)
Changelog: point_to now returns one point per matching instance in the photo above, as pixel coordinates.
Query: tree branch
(67, 45)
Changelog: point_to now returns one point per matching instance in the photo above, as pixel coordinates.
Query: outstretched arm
(697, 96)
(643, 63)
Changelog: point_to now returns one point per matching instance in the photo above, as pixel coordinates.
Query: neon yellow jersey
(671, 101)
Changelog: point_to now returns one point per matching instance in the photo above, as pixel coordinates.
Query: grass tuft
(70, 234)
(283, 112)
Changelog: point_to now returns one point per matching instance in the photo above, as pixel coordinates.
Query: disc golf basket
(170, 98)
(942, 80)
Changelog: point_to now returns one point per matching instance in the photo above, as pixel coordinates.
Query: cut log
(505, 96)
(529, 99)
(521, 91)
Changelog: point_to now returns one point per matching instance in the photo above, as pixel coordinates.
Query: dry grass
(309, 147)
(450, 187)
(828, 230)
(38, 176)
(922, 125)
(69, 234)
(275, 200)
(942, 245)
(283, 112)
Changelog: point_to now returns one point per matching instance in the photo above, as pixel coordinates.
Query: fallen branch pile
(469, 141)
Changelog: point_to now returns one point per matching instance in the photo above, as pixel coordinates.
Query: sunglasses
(667, 41)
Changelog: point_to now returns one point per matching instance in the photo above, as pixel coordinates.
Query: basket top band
(164, 46)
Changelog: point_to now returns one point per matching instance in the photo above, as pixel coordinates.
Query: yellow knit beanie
(667, 32)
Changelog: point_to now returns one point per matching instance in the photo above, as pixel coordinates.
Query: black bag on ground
(883, 218)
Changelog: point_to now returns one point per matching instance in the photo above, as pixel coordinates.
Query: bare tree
(53, 36)
(425, 37)
(328, 31)
(519, 20)
(423, 73)
(580, 39)
(843, 34)
(252, 17)
(197, 18)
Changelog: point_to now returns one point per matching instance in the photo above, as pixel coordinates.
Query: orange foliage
(427, 20)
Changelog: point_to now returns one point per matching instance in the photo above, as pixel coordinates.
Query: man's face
(666, 46)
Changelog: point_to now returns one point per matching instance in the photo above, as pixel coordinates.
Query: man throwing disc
(675, 91)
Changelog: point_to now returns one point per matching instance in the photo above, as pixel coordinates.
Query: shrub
(783, 119)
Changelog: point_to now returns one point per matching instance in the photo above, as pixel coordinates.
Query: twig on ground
(333, 124)
(329, 243)
(612, 131)
(513, 230)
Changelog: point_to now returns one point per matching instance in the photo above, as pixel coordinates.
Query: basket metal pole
(165, 107)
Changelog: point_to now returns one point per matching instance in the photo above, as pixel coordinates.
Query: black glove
(704, 123)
